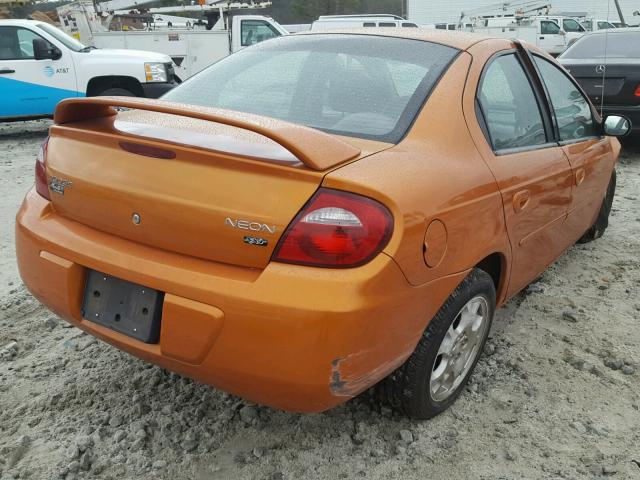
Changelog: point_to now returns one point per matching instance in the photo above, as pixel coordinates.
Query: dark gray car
(606, 64)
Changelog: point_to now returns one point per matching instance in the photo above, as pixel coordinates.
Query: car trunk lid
(175, 180)
(615, 83)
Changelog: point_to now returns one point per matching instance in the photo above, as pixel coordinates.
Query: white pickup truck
(191, 48)
(41, 65)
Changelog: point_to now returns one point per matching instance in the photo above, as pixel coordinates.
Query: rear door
(10, 55)
(589, 153)
(531, 170)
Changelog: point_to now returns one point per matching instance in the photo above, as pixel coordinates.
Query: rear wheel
(602, 222)
(435, 374)
(116, 92)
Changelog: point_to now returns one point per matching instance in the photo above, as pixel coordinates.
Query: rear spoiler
(315, 149)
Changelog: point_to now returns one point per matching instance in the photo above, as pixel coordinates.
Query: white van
(328, 22)
(41, 65)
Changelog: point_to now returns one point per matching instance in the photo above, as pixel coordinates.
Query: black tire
(116, 92)
(602, 221)
(408, 389)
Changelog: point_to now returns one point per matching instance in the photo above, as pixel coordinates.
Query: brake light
(42, 186)
(336, 229)
(148, 150)
(637, 94)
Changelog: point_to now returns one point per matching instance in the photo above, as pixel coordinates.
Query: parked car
(606, 63)
(319, 213)
(41, 65)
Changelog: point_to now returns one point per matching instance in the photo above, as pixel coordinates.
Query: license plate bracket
(123, 306)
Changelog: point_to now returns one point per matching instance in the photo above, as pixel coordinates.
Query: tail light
(637, 94)
(336, 229)
(42, 186)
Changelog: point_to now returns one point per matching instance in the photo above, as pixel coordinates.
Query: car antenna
(604, 69)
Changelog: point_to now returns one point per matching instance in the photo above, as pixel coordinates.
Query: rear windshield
(618, 45)
(356, 85)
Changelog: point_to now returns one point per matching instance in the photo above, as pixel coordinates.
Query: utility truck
(528, 20)
(211, 32)
(41, 65)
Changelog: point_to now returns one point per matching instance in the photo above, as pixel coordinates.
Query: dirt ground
(556, 395)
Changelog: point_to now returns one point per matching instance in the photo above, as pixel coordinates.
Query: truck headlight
(156, 72)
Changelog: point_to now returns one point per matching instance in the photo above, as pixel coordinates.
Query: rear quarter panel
(435, 174)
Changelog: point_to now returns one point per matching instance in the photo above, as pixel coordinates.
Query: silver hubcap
(459, 348)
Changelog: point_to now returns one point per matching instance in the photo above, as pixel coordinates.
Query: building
(425, 12)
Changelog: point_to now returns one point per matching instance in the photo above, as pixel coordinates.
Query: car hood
(143, 56)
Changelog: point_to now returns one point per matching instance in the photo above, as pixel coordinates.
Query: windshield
(69, 42)
(358, 85)
(618, 45)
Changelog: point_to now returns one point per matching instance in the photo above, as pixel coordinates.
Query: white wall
(440, 11)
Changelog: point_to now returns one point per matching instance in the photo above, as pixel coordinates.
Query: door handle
(521, 200)
(580, 174)
(6, 70)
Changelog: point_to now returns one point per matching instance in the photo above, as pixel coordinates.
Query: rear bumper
(156, 90)
(631, 112)
(297, 338)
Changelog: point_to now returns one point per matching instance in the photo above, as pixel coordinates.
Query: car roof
(18, 23)
(375, 15)
(610, 31)
(455, 39)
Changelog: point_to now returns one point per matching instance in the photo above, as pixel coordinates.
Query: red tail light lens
(637, 94)
(42, 186)
(148, 150)
(336, 229)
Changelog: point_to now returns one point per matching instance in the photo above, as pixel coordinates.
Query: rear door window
(571, 108)
(509, 106)
(16, 43)
(9, 44)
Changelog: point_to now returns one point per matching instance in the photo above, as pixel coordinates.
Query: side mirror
(616, 126)
(43, 50)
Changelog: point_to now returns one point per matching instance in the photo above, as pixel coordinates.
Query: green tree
(309, 10)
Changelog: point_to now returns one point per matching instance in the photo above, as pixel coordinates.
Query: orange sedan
(319, 213)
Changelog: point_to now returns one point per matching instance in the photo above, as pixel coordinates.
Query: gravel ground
(557, 394)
